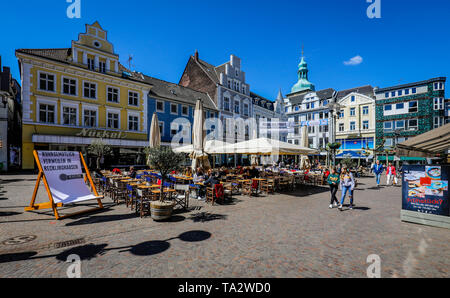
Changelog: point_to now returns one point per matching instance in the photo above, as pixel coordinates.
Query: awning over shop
(350, 154)
(71, 140)
(403, 158)
(426, 145)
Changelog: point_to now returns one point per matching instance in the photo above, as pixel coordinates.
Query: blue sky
(409, 43)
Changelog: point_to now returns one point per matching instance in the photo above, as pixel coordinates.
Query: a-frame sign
(61, 172)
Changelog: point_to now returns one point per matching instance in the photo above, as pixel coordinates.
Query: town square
(261, 144)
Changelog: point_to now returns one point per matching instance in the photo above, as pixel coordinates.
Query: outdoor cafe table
(185, 180)
(166, 191)
(145, 186)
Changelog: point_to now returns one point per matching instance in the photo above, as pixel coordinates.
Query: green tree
(99, 149)
(164, 160)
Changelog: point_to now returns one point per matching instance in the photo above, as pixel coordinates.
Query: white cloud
(354, 61)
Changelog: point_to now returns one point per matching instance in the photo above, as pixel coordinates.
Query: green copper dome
(303, 83)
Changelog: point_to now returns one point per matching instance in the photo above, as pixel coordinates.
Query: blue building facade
(174, 106)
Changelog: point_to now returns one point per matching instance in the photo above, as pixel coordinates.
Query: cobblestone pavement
(281, 235)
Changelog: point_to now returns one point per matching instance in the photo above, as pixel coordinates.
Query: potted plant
(164, 160)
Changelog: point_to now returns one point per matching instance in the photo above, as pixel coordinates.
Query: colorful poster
(425, 189)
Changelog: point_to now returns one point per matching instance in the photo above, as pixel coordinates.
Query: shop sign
(92, 133)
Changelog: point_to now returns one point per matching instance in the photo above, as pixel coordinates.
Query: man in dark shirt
(254, 173)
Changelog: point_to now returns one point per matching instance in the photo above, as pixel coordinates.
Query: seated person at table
(132, 172)
(97, 173)
(199, 175)
(116, 171)
(188, 172)
(212, 179)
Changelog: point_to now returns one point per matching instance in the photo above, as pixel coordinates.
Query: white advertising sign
(62, 170)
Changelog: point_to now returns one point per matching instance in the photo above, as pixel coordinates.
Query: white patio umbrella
(304, 160)
(264, 146)
(155, 135)
(198, 155)
(210, 147)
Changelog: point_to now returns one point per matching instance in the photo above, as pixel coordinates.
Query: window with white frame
(365, 110)
(46, 82)
(90, 90)
(438, 86)
(174, 108)
(133, 122)
(388, 142)
(387, 126)
(438, 121)
(365, 125)
(438, 103)
(400, 106)
(46, 113)
(413, 107)
(102, 67)
(160, 106)
(406, 91)
(90, 118)
(388, 107)
(133, 98)
(185, 110)
(412, 124)
(352, 112)
(352, 125)
(341, 114)
(352, 99)
(91, 64)
(69, 116)
(236, 106)
(69, 86)
(226, 103)
(113, 120)
(112, 94)
(161, 128)
(229, 83)
(400, 124)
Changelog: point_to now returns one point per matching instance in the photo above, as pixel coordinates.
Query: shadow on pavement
(101, 219)
(206, 216)
(85, 252)
(90, 251)
(22, 256)
(11, 213)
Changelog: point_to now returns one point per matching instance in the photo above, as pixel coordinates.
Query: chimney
(196, 55)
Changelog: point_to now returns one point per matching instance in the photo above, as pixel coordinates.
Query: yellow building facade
(72, 96)
(355, 126)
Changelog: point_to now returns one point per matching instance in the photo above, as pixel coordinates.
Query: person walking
(333, 180)
(347, 183)
(391, 173)
(378, 170)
